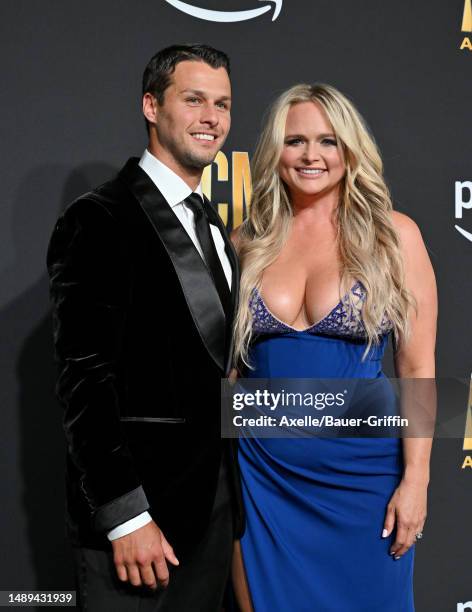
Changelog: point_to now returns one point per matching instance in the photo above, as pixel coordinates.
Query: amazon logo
(463, 202)
(228, 16)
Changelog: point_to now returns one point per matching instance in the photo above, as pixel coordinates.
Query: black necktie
(202, 226)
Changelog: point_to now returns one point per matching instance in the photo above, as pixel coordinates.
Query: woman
(329, 271)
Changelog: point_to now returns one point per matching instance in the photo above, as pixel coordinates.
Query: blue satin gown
(316, 507)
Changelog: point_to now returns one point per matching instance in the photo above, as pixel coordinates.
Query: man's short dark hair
(158, 73)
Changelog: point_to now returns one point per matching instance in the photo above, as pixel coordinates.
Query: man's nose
(209, 115)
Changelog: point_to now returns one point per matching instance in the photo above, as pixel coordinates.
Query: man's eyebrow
(202, 94)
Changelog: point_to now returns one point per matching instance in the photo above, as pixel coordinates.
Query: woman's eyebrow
(327, 135)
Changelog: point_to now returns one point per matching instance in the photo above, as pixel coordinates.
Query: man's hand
(141, 557)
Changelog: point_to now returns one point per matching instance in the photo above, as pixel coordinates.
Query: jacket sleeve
(89, 290)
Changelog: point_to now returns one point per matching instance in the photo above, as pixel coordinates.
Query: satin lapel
(215, 219)
(200, 293)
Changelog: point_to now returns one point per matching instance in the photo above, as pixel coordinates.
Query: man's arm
(89, 289)
(89, 286)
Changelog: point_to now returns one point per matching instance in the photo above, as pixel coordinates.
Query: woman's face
(311, 163)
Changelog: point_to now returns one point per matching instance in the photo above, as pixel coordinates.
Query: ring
(419, 535)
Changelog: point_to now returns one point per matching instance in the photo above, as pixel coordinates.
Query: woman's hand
(233, 376)
(407, 512)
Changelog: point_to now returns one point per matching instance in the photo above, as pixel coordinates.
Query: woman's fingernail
(397, 557)
(384, 533)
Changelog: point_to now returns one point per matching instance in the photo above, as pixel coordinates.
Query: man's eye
(192, 100)
(222, 105)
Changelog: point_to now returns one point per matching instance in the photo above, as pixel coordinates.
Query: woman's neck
(315, 209)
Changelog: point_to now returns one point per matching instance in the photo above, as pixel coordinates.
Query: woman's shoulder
(236, 236)
(407, 230)
(415, 253)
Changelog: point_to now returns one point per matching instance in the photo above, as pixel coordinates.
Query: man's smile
(204, 137)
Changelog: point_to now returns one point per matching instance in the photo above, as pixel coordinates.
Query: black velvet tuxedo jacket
(142, 343)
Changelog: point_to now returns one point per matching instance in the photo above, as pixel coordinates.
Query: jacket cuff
(120, 510)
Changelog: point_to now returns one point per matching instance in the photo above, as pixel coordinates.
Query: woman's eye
(330, 141)
(293, 141)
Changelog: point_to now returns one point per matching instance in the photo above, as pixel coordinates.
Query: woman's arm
(415, 356)
(414, 359)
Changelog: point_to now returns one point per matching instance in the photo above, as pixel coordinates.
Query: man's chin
(200, 161)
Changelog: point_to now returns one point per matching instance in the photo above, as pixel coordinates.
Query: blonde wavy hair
(368, 243)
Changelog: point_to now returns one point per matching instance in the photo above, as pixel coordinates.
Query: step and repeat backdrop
(71, 116)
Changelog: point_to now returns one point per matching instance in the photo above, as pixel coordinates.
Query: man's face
(194, 120)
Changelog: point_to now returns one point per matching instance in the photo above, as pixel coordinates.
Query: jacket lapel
(200, 293)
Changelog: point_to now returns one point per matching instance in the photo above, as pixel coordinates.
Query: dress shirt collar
(173, 188)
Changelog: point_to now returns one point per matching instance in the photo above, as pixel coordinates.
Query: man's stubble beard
(189, 159)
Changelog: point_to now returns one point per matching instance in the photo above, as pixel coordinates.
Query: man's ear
(150, 107)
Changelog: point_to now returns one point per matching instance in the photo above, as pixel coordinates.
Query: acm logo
(467, 25)
(228, 16)
(238, 175)
(467, 463)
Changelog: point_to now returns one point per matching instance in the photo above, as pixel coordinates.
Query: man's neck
(191, 176)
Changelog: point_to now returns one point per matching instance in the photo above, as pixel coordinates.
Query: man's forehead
(199, 76)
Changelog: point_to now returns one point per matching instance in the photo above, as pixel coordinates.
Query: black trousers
(196, 585)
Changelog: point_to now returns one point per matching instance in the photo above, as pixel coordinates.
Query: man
(144, 285)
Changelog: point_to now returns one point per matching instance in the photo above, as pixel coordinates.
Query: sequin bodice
(343, 321)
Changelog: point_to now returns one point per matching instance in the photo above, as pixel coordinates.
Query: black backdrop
(70, 101)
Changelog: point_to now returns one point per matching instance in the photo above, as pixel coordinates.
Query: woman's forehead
(307, 117)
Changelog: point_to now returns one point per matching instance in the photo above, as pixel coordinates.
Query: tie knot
(194, 202)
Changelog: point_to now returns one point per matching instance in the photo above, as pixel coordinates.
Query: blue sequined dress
(316, 507)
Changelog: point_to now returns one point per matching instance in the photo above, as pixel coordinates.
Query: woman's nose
(311, 152)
